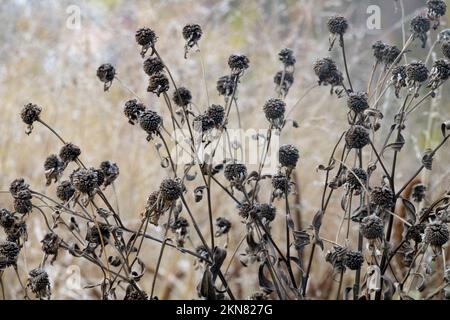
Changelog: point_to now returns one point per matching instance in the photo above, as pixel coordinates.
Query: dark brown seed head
(69, 152)
(153, 65)
(39, 283)
(337, 25)
(327, 72)
(274, 109)
(150, 121)
(436, 9)
(98, 234)
(372, 227)
(354, 260)
(288, 156)
(132, 293)
(217, 114)
(22, 202)
(238, 63)
(7, 219)
(146, 37)
(235, 172)
(106, 73)
(416, 72)
(158, 84)
(357, 137)
(391, 54)
(415, 232)
(203, 123)
(225, 85)
(52, 162)
(286, 56)
(170, 189)
(18, 185)
(357, 101)
(84, 180)
(266, 212)
(133, 110)
(356, 177)
(182, 97)
(418, 193)
(51, 243)
(436, 233)
(382, 197)
(9, 252)
(419, 27)
(223, 226)
(379, 50)
(65, 191)
(246, 209)
(110, 172)
(192, 33)
(281, 182)
(30, 113)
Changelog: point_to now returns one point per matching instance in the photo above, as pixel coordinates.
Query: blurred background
(49, 57)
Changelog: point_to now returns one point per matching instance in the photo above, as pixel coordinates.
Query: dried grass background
(44, 62)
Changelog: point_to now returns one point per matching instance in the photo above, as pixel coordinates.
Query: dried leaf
(410, 210)
(198, 193)
(444, 127)
(316, 224)
(265, 284)
(206, 286)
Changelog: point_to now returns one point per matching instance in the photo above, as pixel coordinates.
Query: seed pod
(235, 172)
(355, 178)
(436, 233)
(372, 227)
(266, 212)
(445, 46)
(69, 152)
(153, 65)
(246, 210)
(110, 171)
(357, 137)
(9, 252)
(7, 219)
(84, 180)
(357, 101)
(17, 185)
(182, 97)
(217, 114)
(337, 25)
(65, 191)
(133, 294)
(379, 50)
(238, 63)
(170, 189)
(288, 156)
(146, 38)
(416, 72)
(382, 197)
(225, 85)
(106, 74)
(419, 27)
(158, 84)
(327, 72)
(151, 122)
(133, 109)
(354, 260)
(274, 109)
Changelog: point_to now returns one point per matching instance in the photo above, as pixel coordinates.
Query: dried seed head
(266, 212)
(416, 232)
(354, 260)
(337, 257)
(445, 46)
(133, 109)
(399, 79)
(152, 206)
(235, 172)
(337, 25)
(84, 180)
(106, 74)
(286, 56)
(382, 197)
(110, 172)
(9, 252)
(146, 38)
(225, 85)
(182, 97)
(203, 123)
(357, 101)
(18, 185)
(39, 283)
(22, 202)
(418, 193)
(217, 114)
(93, 234)
(69, 152)
(440, 72)
(52, 162)
(51, 243)
(435, 10)
(372, 227)
(274, 109)
(436, 234)
(246, 209)
(379, 50)
(30, 113)
(133, 294)
(65, 191)
(158, 84)
(192, 34)
(181, 228)
(153, 65)
(202, 251)
(7, 219)
(151, 122)
(288, 156)
(284, 80)
(328, 72)
(356, 177)
(419, 27)
(223, 226)
(416, 72)
(391, 54)
(170, 189)
(100, 175)
(238, 63)
(357, 137)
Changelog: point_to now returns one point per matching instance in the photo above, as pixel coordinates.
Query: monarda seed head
(69, 152)
(146, 38)
(9, 252)
(65, 191)
(379, 50)
(110, 172)
(223, 226)
(39, 283)
(235, 172)
(445, 47)
(22, 202)
(399, 78)
(170, 189)
(225, 85)
(217, 114)
(52, 162)
(192, 34)
(416, 72)
(337, 25)
(354, 260)
(357, 137)
(355, 177)
(435, 10)
(288, 156)
(286, 56)
(30, 113)
(266, 212)
(153, 65)
(327, 72)
(158, 84)
(436, 234)
(84, 180)
(7, 219)
(238, 63)
(274, 109)
(382, 197)
(151, 122)
(132, 110)
(391, 54)
(245, 210)
(415, 232)
(419, 27)
(372, 227)
(357, 101)
(336, 257)
(18, 185)
(100, 175)
(51, 243)
(98, 234)
(132, 293)
(182, 97)
(440, 72)
(106, 74)
(281, 182)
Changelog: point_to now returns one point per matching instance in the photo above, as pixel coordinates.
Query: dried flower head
(181, 228)
(445, 47)
(132, 293)
(235, 172)
(192, 34)
(382, 197)
(372, 227)
(65, 191)
(436, 233)
(238, 63)
(246, 209)
(39, 283)
(266, 212)
(158, 84)
(151, 122)
(328, 72)
(435, 10)
(51, 244)
(146, 38)
(337, 25)
(357, 101)
(416, 73)
(337, 258)
(399, 79)
(110, 172)
(379, 50)
(284, 81)
(416, 232)
(225, 85)
(18, 185)
(29, 114)
(7, 219)
(69, 152)
(9, 252)
(106, 74)
(182, 97)
(84, 180)
(440, 72)
(419, 27)
(274, 109)
(354, 260)
(53, 168)
(391, 55)
(281, 183)
(357, 137)
(153, 65)
(355, 177)
(223, 226)
(98, 234)
(217, 114)
(133, 109)
(170, 189)
(288, 155)
(22, 202)
(286, 56)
